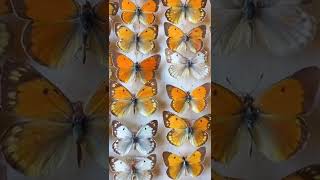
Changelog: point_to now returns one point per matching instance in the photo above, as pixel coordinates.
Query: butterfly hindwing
(147, 104)
(146, 144)
(179, 126)
(178, 97)
(147, 37)
(121, 169)
(200, 127)
(121, 99)
(199, 98)
(124, 136)
(195, 161)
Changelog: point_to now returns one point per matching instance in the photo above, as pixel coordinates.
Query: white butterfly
(142, 141)
(139, 168)
(182, 67)
(279, 25)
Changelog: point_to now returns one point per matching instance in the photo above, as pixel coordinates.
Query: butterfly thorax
(79, 122)
(189, 64)
(136, 67)
(188, 97)
(134, 101)
(138, 11)
(249, 10)
(87, 18)
(186, 38)
(250, 112)
(189, 132)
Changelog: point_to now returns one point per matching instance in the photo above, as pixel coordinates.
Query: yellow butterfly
(144, 14)
(123, 102)
(180, 41)
(181, 100)
(62, 30)
(48, 124)
(142, 42)
(178, 165)
(182, 130)
(113, 8)
(192, 10)
(274, 120)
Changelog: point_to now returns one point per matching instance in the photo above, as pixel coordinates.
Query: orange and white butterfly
(274, 120)
(134, 168)
(177, 165)
(181, 130)
(62, 30)
(192, 10)
(179, 41)
(128, 70)
(182, 67)
(144, 14)
(47, 124)
(142, 140)
(311, 172)
(196, 99)
(142, 42)
(123, 102)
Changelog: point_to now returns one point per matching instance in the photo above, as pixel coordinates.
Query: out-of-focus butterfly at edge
(274, 121)
(48, 124)
(142, 140)
(142, 42)
(281, 26)
(113, 9)
(181, 129)
(52, 38)
(191, 10)
(181, 100)
(311, 172)
(179, 41)
(128, 70)
(134, 168)
(123, 102)
(178, 165)
(144, 14)
(182, 67)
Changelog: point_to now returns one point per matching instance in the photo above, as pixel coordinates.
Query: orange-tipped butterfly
(181, 129)
(192, 10)
(62, 30)
(48, 124)
(182, 67)
(177, 165)
(123, 102)
(181, 100)
(134, 168)
(142, 140)
(142, 42)
(144, 14)
(274, 120)
(179, 41)
(128, 70)
(311, 172)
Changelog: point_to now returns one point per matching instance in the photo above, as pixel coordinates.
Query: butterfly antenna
(257, 84)
(233, 87)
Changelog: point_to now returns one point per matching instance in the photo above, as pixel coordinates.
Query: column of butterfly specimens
(187, 116)
(133, 92)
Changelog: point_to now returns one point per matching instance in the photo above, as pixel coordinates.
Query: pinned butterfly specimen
(123, 102)
(47, 124)
(311, 172)
(144, 14)
(142, 42)
(182, 100)
(128, 70)
(182, 67)
(181, 130)
(274, 121)
(281, 26)
(113, 8)
(142, 140)
(135, 168)
(178, 165)
(63, 30)
(192, 10)
(179, 41)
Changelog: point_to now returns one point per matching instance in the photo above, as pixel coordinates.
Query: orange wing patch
(179, 41)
